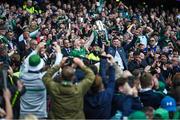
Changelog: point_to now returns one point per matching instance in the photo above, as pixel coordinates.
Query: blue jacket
(126, 104)
(98, 105)
(122, 52)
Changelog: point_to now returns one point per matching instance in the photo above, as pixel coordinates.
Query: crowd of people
(89, 59)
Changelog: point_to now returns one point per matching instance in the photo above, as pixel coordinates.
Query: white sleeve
(34, 33)
(58, 58)
(21, 38)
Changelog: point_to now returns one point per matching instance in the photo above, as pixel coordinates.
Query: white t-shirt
(118, 59)
(143, 40)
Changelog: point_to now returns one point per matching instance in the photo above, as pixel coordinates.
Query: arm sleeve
(88, 80)
(111, 82)
(20, 38)
(102, 70)
(58, 59)
(48, 80)
(126, 110)
(131, 44)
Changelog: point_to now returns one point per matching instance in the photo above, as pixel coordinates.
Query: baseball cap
(138, 115)
(168, 103)
(161, 113)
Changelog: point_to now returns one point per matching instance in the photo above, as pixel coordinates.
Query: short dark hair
(115, 38)
(137, 52)
(165, 54)
(68, 73)
(131, 81)
(137, 72)
(120, 82)
(146, 80)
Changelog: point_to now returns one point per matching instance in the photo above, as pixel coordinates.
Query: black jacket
(65, 52)
(151, 98)
(126, 104)
(135, 65)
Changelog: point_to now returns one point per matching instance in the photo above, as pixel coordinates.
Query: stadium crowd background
(89, 59)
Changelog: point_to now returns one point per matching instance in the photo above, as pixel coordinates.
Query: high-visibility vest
(91, 56)
(29, 9)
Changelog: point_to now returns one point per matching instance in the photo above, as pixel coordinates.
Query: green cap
(34, 60)
(137, 115)
(161, 113)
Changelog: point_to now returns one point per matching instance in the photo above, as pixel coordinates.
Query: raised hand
(78, 62)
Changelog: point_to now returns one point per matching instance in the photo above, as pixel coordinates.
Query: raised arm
(102, 70)
(58, 54)
(150, 31)
(131, 44)
(129, 29)
(8, 107)
(111, 81)
(88, 80)
(91, 38)
(48, 80)
(69, 30)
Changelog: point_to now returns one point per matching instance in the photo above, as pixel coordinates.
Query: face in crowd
(77, 43)
(26, 35)
(33, 44)
(66, 43)
(152, 41)
(116, 42)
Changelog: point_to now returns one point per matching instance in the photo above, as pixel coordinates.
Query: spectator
(137, 115)
(161, 113)
(137, 63)
(97, 102)
(32, 46)
(118, 52)
(66, 50)
(126, 97)
(169, 104)
(69, 103)
(175, 88)
(148, 96)
(109, 27)
(34, 99)
(152, 45)
(78, 51)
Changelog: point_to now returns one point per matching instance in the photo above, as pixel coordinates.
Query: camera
(69, 61)
(153, 71)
